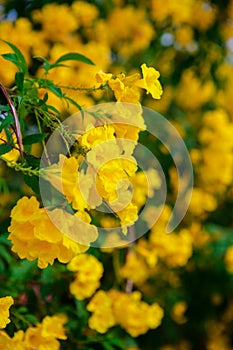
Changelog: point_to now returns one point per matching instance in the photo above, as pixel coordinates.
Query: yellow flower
(124, 88)
(229, 259)
(5, 304)
(102, 77)
(12, 155)
(85, 12)
(178, 311)
(88, 271)
(150, 81)
(26, 210)
(52, 327)
(34, 236)
(102, 317)
(135, 269)
(140, 316)
(56, 29)
(45, 334)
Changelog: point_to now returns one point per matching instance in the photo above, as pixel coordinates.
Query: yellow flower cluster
(174, 248)
(216, 126)
(188, 93)
(228, 258)
(34, 236)
(88, 271)
(5, 304)
(111, 169)
(61, 36)
(110, 308)
(44, 335)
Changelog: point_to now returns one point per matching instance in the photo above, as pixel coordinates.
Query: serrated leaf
(73, 56)
(35, 138)
(21, 62)
(19, 80)
(5, 148)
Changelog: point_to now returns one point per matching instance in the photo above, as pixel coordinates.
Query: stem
(74, 88)
(17, 129)
(43, 141)
(132, 237)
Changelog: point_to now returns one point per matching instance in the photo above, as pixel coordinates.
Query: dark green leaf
(30, 139)
(56, 90)
(24, 270)
(12, 58)
(8, 120)
(33, 183)
(73, 102)
(19, 80)
(4, 108)
(117, 343)
(4, 239)
(73, 56)
(55, 110)
(31, 318)
(48, 66)
(5, 254)
(21, 62)
(107, 346)
(5, 148)
(33, 161)
(44, 100)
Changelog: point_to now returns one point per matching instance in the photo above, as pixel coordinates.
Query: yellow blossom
(88, 271)
(102, 317)
(5, 304)
(150, 81)
(102, 77)
(35, 236)
(228, 258)
(135, 269)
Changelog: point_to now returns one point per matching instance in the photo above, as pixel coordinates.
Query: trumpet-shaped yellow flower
(150, 81)
(35, 236)
(5, 304)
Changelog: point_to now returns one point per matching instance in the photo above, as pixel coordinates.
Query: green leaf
(55, 89)
(107, 346)
(18, 59)
(5, 254)
(5, 148)
(73, 102)
(55, 110)
(44, 100)
(48, 66)
(73, 56)
(19, 80)
(11, 57)
(33, 183)
(4, 239)
(23, 271)
(7, 121)
(35, 138)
